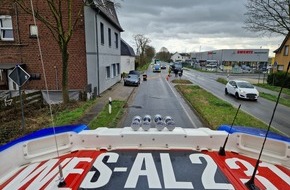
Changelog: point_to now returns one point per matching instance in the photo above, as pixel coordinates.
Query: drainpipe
(56, 77)
(98, 59)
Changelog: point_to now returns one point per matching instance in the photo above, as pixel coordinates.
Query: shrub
(278, 78)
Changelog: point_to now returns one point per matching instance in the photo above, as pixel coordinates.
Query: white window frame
(6, 26)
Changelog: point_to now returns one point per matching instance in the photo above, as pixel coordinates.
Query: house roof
(126, 49)
(107, 9)
(184, 54)
(283, 44)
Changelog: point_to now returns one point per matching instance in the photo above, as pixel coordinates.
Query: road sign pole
(21, 102)
(22, 111)
(19, 76)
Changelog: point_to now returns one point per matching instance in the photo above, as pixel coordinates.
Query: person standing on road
(175, 72)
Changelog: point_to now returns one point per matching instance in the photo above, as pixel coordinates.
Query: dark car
(132, 80)
(134, 72)
(177, 67)
(163, 66)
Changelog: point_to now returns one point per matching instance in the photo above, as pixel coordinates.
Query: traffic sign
(19, 75)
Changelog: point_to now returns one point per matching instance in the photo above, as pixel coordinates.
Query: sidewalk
(116, 92)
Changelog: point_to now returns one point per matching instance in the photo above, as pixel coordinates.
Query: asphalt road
(262, 109)
(158, 96)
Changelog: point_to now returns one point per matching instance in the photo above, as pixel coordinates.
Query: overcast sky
(191, 25)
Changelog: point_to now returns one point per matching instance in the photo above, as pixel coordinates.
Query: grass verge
(70, 116)
(143, 67)
(222, 80)
(274, 88)
(181, 81)
(283, 101)
(104, 119)
(215, 111)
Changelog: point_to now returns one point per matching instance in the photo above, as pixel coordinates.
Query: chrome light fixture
(136, 123)
(146, 124)
(159, 123)
(170, 124)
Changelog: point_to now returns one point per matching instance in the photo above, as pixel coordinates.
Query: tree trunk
(65, 56)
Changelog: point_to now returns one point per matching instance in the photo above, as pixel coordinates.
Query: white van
(211, 65)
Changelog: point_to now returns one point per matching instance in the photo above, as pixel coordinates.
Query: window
(6, 30)
(114, 69)
(108, 72)
(117, 40)
(286, 50)
(102, 34)
(33, 31)
(280, 67)
(109, 36)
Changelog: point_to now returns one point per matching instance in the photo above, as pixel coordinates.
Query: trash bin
(144, 77)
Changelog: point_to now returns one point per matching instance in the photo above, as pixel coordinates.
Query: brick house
(94, 49)
(282, 56)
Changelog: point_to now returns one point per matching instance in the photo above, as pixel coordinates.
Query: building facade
(127, 57)
(255, 58)
(103, 46)
(180, 57)
(94, 49)
(282, 57)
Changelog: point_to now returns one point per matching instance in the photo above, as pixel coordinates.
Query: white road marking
(192, 122)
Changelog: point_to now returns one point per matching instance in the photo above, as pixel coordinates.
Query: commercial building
(231, 58)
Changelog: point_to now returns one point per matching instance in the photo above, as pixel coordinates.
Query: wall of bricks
(24, 49)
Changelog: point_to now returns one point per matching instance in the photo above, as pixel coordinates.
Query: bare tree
(268, 16)
(149, 53)
(141, 44)
(63, 19)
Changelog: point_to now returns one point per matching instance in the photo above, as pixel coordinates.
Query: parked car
(157, 68)
(163, 66)
(132, 80)
(246, 69)
(211, 67)
(241, 89)
(134, 72)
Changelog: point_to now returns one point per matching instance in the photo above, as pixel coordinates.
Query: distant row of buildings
(255, 58)
(97, 54)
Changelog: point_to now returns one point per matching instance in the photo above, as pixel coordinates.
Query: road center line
(193, 123)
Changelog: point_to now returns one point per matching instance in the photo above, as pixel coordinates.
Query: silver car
(241, 89)
(132, 80)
